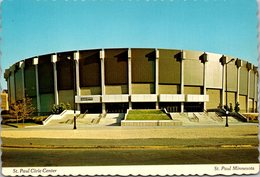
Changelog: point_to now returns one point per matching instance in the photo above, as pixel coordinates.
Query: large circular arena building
(114, 80)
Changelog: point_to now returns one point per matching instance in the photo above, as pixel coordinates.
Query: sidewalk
(117, 132)
(126, 137)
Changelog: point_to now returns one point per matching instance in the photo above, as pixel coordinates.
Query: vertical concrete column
(204, 58)
(8, 86)
(223, 61)
(255, 88)
(182, 77)
(76, 58)
(7, 78)
(12, 72)
(22, 65)
(35, 63)
(103, 91)
(239, 64)
(130, 77)
(157, 77)
(254, 91)
(249, 67)
(56, 93)
(205, 84)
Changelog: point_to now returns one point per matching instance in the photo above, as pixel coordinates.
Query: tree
(22, 109)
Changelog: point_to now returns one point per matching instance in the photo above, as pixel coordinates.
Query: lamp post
(74, 93)
(227, 94)
(74, 90)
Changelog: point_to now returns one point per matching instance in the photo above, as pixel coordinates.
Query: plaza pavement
(238, 130)
(108, 133)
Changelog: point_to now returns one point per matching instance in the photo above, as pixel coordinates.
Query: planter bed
(151, 123)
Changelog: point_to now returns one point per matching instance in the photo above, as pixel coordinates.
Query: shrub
(4, 112)
(237, 109)
(230, 107)
(57, 109)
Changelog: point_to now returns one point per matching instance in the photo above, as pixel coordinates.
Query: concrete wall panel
(143, 89)
(116, 63)
(47, 101)
(214, 72)
(243, 81)
(232, 99)
(65, 74)
(30, 81)
(242, 102)
(18, 85)
(12, 87)
(116, 89)
(45, 74)
(193, 72)
(252, 84)
(192, 90)
(143, 65)
(232, 77)
(214, 98)
(169, 67)
(34, 102)
(66, 96)
(90, 68)
(90, 91)
(169, 89)
(194, 55)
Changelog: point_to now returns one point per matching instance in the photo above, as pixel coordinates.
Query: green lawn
(145, 112)
(19, 125)
(147, 115)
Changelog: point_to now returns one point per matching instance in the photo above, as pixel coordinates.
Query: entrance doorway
(91, 108)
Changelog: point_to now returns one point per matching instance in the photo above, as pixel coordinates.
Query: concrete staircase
(89, 119)
(196, 118)
(111, 119)
(66, 119)
(208, 118)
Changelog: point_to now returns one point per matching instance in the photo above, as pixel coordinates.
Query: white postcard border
(214, 169)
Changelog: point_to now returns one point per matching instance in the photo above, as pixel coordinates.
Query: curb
(128, 147)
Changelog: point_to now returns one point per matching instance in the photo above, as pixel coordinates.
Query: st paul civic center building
(114, 80)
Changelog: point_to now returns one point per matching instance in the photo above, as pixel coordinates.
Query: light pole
(74, 90)
(227, 94)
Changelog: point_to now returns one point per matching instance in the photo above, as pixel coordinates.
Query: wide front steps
(197, 118)
(117, 119)
(111, 119)
(90, 119)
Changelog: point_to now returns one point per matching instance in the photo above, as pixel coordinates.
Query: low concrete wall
(58, 116)
(150, 123)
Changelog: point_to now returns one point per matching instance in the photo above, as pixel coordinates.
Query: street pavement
(115, 145)
(23, 157)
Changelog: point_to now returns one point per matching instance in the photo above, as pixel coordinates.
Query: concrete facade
(114, 80)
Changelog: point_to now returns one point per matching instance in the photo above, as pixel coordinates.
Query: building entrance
(91, 108)
(143, 105)
(170, 106)
(116, 107)
(193, 107)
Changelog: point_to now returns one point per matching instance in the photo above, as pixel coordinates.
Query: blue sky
(36, 27)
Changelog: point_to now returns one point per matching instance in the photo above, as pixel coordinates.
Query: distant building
(4, 100)
(114, 80)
